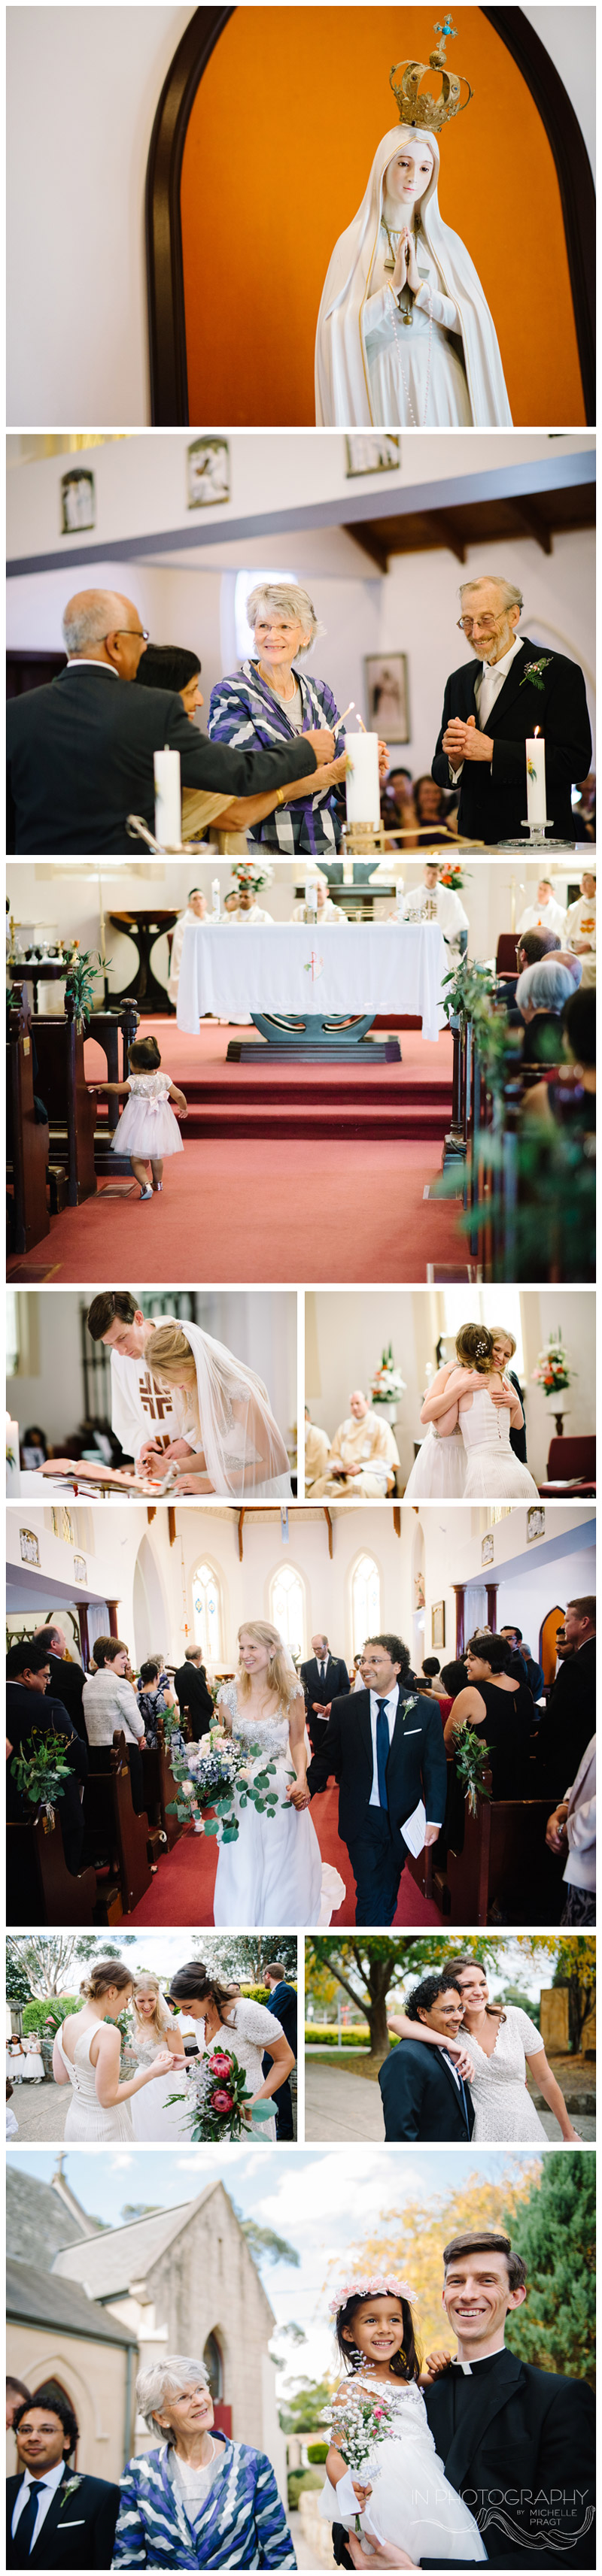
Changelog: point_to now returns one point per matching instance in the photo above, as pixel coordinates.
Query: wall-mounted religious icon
(78, 500)
(208, 472)
(404, 330)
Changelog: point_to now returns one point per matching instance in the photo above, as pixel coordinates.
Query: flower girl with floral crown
(384, 2479)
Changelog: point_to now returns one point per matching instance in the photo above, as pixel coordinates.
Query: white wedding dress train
(274, 1872)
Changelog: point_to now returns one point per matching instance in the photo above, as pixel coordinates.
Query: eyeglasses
(142, 631)
(466, 624)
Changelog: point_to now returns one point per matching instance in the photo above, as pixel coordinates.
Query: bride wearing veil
(273, 1873)
(227, 1441)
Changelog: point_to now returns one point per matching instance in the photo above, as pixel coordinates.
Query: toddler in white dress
(147, 1130)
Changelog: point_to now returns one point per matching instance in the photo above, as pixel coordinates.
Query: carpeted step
(360, 1120)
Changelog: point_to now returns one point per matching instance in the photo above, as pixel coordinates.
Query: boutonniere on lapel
(533, 671)
(408, 1704)
(70, 2488)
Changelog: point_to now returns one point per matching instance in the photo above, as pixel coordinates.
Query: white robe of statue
(448, 356)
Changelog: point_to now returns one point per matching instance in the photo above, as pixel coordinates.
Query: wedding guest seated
(53, 2517)
(363, 1455)
(397, 806)
(570, 1717)
(545, 913)
(109, 1702)
(29, 1710)
(222, 2493)
(81, 753)
(541, 994)
(190, 1683)
(580, 925)
(567, 1098)
(530, 948)
(572, 1828)
(449, 911)
(34, 1446)
(432, 808)
(317, 1446)
(196, 910)
(326, 909)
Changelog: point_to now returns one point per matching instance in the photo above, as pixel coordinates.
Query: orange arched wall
(279, 145)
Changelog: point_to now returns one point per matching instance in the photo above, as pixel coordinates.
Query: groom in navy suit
(489, 714)
(385, 1747)
(424, 2094)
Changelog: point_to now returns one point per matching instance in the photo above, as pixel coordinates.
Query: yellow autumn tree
(411, 2240)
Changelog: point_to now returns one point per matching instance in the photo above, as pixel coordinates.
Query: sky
(321, 2199)
(160, 1951)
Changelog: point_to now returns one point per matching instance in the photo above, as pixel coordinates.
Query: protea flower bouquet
(216, 2098)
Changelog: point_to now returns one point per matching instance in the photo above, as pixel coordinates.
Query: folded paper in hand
(414, 1830)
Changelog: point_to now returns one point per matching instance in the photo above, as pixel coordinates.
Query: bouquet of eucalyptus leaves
(208, 1780)
(471, 1758)
(41, 1772)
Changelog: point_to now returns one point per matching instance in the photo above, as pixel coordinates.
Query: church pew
(504, 1852)
(39, 1886)
(160, 1787)
(108, 1027)
(26, 1141)
(71, 1111)
(111, 1822)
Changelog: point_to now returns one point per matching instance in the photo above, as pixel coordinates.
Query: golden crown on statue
(422, 108)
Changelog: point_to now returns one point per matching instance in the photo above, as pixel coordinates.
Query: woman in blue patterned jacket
(267, 701)
(199, 2500)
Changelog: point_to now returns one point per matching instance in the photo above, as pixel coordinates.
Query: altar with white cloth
(314, 972)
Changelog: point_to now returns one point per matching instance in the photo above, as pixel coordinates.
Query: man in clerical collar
(516, 2440)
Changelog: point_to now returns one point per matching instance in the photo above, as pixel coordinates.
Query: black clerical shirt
(465, 2378)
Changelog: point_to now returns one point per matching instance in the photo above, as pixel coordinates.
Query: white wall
(345, 1338)
(260, 1325)
(83, 88)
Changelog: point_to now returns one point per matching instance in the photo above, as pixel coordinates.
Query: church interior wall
(346, 1337)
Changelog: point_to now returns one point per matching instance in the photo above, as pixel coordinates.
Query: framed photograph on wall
(78, 500)
(438, 1623)
(387, 695)
(487, 1549)
(373, 452)
(207, 472)
(536, 1522)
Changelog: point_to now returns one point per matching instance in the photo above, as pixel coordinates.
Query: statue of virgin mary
(404, 332)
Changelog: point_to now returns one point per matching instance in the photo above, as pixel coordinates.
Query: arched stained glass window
(365, 1601)
(207, 1613)
(287, 1607)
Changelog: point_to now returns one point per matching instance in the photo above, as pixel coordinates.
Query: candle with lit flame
(536, 781)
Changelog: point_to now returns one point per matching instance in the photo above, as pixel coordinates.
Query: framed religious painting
(438, 1623)
(377, 452)
(78, 501)
(387, 695)
(207, 472)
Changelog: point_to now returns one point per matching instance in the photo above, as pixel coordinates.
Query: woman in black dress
(500, 1708)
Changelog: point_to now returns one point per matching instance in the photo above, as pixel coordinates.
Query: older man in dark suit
(490, 714)
(385, 1747)
(55, 2517)
(324, 1677)
(81, 750)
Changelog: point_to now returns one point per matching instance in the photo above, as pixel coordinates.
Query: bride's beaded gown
(493, 1474)
(411, 2503)
(273, 1873)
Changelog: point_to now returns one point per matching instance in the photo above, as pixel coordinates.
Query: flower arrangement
(207, 1782)
(252, 874)
(41, 1771)
(553, 1372)
(218, 2096)
(453, 876)
(357, 2426)
(387, 1382)
(471, 1758)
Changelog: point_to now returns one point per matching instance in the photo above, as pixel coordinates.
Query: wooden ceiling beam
(531, 524)
(241, 1517)
(365, 536)
(447, 524)
(328, 1520)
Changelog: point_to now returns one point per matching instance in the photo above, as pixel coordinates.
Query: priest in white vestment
(317, 1451)
(449, 911)
(196, 910)
(580, 926)
(546, 913)
(363, 1455)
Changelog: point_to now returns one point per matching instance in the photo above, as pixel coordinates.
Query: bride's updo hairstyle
(474, 1348)
(454, 1969)
(495, 1651)
(103, 1974)
(404, 2364)
(194, 1983)
(281, 1675)
(170, 1356)
(149, 1985)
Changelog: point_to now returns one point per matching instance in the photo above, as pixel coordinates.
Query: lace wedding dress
(503, 2107)
(411, 2503)
(493, 1474)
(273, 1873)
(150, 2115)
(86, 2119)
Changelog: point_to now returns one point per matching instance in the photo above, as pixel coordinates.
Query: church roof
(34, 2299)
(38, 2222)
(121, 2255)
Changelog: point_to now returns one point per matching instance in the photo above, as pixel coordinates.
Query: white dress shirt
(391, 1708)
(488, 688)
(52, 2480)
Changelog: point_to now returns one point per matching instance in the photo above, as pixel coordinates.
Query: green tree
(305, 2408)
(18, 1988)
(555, 2231)
(246, 1955)
(368, 1969)
(48, 1959)
(573, 1964)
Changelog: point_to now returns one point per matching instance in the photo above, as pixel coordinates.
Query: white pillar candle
(215, 895)
(168, 804)
(536, 781)
(13, 1472)
(311, 895)
(362, 780)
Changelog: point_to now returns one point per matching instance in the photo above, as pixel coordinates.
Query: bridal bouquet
(207, 1782)
(217, 2096)
(364, 2420)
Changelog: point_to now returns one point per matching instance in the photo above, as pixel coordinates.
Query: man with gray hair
(490, 714)
(80, 750)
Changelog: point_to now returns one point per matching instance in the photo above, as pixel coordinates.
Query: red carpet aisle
(182, 1891)
(260, 1150)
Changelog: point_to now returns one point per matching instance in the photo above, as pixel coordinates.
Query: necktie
(27, 2523)
(382, 1750)
(458, 2079)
